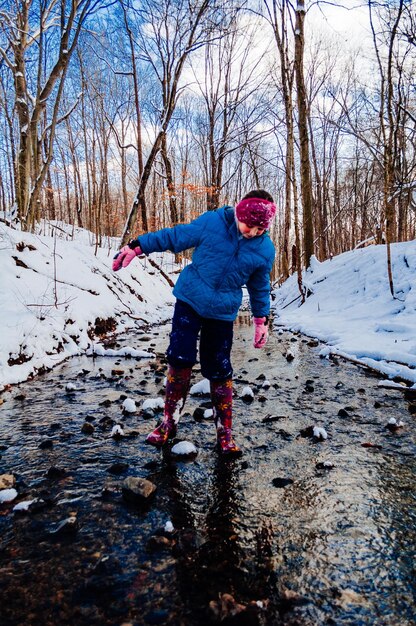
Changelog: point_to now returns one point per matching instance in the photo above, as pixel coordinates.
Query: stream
(298, 531)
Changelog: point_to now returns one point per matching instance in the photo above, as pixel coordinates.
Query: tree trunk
(305, 169)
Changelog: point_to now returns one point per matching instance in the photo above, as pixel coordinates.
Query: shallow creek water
(291, 541)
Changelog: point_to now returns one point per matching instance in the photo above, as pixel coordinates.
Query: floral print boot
(222, 402)
(177, 387)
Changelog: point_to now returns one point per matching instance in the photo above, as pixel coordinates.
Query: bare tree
(173, 31)
(47, 33)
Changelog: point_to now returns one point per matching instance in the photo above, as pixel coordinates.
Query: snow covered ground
(351, 309)
(54, 288)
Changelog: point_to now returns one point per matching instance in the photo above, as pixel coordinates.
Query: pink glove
(125, 256)
(261, 331)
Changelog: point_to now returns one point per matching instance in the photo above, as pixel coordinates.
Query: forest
(125, 116)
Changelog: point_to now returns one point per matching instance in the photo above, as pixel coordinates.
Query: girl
(231, 249)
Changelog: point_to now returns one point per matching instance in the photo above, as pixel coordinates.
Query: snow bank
(350, 307)
(54, 288)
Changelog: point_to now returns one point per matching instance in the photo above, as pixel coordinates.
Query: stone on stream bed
(7, 481)
(87, 428)
(137, 490)
(66, 528)
(281, 483)
(55, 472)
(118, 468)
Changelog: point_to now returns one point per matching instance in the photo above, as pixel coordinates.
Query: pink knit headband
(256, 212)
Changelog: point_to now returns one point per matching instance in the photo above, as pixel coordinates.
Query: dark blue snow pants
(214, 346)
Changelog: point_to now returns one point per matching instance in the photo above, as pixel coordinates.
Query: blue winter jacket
(222, 262)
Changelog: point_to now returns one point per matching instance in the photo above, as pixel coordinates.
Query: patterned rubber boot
(177, 387)
(222, 402)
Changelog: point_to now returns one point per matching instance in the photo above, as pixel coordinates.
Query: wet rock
(20, 397)
(87, 428)
(284, 434)
(47, 444)
(151, 465)
(118, 468)
(281, 483)
(55, 472)
(261, 377)
(66, 528)
(393, 425)
(377, 405)
(262, 399)
(108, 494)
(225, 608)
(159, 542)
(247, 394)
(369, 444)
(107, 565)
(324, 465)
(339, 385)
(309, 388)
(289, 356)
(273, 418)
(7, 481)
(306, 432)
(158, 616)
(202, 413)
(188, 541)
(106, 403)
(412, 409)
(343, 413)
(117, 372)
(137, 490)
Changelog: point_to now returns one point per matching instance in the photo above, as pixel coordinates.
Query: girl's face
(250, 232)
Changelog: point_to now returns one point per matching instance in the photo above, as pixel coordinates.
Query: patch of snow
(117, 431)
(184, 448)
(70, 387)
(7, 495)
(319, 432)
(202, 388)
(350, 307)
(247, 392)
(393, 422)
(98, 350)
(169, 528)
(44, 321)
(153, 403)
(208, 413)
(129, 405)
(24, 506)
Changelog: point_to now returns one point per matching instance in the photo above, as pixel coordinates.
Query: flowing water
(275, 537)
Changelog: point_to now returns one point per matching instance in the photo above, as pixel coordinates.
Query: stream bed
(298, 531)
